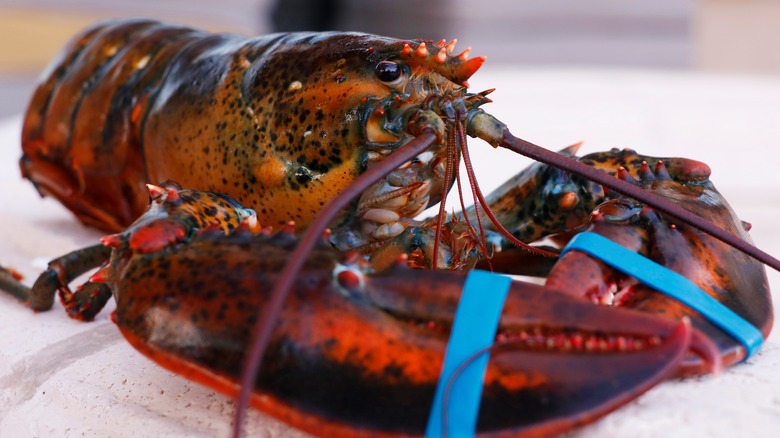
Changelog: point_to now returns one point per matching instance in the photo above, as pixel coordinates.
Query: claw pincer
(722, 272)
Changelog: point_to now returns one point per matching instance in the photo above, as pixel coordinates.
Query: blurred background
(711, 35)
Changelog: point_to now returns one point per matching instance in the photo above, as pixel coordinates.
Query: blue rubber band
(473, 330)
(670, 283)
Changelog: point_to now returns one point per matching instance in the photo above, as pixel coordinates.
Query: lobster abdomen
(81, 134)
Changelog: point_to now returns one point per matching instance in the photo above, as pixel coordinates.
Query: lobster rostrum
(361, 133)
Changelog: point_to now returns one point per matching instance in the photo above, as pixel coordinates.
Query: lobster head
(401, 88)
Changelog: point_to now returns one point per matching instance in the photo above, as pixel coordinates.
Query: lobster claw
(361, 354)
(558, 361)
(574, 390)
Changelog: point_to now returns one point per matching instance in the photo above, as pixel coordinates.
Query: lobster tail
(81, 133)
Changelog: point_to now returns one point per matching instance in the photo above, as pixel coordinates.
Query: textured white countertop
(60, 377)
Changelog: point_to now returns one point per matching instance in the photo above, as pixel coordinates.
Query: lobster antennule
(480, 201)
(457, 146)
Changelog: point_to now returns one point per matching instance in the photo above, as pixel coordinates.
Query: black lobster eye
(389, 72)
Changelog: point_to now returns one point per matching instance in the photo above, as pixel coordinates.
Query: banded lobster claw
(556, 362)
(361, 354)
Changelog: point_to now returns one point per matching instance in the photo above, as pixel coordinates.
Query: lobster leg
(85, 303)
(10, 283)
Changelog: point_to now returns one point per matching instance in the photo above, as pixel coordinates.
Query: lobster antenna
(261, 333)
(665, 206)
(450, 169)
(467, 162)
(479, 237)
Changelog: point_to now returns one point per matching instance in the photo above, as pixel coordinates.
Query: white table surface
(60, 377)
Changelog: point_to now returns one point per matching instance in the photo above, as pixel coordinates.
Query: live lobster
(287, 122)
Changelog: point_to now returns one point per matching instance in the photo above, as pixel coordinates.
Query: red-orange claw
(551, 350)
(602, 379)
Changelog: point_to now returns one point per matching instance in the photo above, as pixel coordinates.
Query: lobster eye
(389, 72)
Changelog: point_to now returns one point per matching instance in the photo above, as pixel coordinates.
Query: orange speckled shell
(271, 122)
